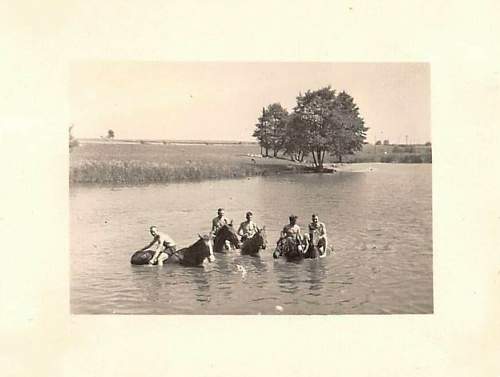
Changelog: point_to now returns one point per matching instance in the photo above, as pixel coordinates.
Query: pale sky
(222, 101)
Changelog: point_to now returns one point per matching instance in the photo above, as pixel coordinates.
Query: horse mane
(219, 240)
(197, 252)
(252, 244)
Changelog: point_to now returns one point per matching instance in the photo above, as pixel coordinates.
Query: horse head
(262, 237)
(206, 241)
(226, 233)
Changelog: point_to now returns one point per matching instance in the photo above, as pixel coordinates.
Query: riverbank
(142, 163)
(118, 163)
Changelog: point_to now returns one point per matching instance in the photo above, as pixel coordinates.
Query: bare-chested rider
(247, 228)
(291, 230)
(317, 234)
(163, 245)
(218, 222)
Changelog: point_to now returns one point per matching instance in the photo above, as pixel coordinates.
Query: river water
(378, 217)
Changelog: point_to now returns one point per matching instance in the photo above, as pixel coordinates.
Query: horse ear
(199, 235)
(263, 228)
(231, 223)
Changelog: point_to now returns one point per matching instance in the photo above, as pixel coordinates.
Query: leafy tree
(378, 142)
(349, 131)
(316, 110)
(111, 134)
(262, 133)
(271, 127)
(295, 143)
(428, 144)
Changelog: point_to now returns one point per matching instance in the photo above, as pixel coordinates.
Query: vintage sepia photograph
(250, 188)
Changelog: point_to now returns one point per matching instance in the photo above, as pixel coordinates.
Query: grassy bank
(138, 163)
(403, 154)
(148, 163)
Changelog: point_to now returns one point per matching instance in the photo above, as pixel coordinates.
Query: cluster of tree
(322, 122)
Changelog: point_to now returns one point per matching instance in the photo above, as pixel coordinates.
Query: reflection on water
(379, 222)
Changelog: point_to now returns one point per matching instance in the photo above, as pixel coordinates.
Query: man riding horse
(290, 238)
(247, 228)
(163, 244)
(317, 235)
(218, 222)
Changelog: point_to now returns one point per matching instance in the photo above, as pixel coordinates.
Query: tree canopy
(271, 128)
(322, 122)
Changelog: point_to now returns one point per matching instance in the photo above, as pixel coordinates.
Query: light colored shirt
(249, 228)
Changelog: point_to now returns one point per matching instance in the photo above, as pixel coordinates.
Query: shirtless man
(317, 234)
(291, 230)
(219, 222)
(164, 246)
(247, 228)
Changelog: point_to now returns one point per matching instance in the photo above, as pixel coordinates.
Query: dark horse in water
(289, 248)
(252, 245)
(223, 234)
(193, 255)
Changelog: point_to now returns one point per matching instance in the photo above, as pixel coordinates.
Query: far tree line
(323, 122)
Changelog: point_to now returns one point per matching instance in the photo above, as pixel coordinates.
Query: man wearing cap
(247, 228)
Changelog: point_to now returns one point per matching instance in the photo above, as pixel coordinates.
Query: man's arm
(239, 230)
(158, 250)
(323, 231)
(149, 245)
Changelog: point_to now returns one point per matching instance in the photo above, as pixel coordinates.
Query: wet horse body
(252, 245)
(193, 255)
(290, 249)
(223, 234)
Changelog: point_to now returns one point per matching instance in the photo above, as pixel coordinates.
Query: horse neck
(220, 238)
(198, 247)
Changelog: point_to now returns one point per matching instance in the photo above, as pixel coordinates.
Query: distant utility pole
(406, 139)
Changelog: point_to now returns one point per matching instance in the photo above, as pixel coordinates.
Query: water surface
(379, 221)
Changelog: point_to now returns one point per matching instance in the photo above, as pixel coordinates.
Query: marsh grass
(143, 163)
(147, 163)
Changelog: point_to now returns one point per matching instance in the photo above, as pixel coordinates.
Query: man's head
(293, 219)
(315, 218)
(220, 212)
(249, 215)
(153, 230)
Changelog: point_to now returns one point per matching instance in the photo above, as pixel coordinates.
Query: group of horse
(204, 248)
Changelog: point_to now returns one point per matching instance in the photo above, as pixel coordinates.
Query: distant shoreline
(163, 142)
(118, 162)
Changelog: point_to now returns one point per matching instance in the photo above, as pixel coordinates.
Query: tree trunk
(320, 160)
(267, 152)
(314, 159)
(275, 153)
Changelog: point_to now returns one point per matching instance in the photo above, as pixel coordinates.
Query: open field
(127, 162)
(391, 153)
